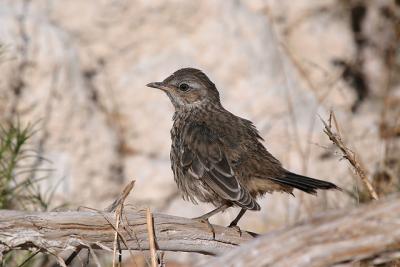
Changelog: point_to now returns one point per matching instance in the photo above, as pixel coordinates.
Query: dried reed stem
(118, 206)
(152, 243)
(336, 138)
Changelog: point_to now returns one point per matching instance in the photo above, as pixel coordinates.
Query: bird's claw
(209, 225)
(237, 228)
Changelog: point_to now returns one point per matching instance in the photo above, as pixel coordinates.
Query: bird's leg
(238, 217)
(236, 220)
(211, 213)
(204, 218)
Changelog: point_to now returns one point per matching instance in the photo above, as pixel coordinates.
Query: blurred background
(73, 76)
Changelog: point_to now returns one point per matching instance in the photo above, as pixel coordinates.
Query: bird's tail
(304, 183)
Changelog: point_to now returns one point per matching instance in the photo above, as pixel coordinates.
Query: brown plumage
(217, 157)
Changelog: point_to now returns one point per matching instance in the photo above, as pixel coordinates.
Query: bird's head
(188, 87)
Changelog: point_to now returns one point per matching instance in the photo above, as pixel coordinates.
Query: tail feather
(304, 183)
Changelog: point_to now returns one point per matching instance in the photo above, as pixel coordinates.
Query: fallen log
(56, 231)
(370, 231)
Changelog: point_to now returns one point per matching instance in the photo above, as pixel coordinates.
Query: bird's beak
(158, 85)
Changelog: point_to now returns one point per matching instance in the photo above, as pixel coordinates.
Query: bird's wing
(202, 154)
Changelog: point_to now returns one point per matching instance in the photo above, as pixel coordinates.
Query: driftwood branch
(368, 232)
(56, 231)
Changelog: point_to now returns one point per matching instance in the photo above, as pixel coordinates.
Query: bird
(218, 157)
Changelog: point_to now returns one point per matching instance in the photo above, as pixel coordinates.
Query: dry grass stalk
(117, 218)
(120, 235)
(336, 138)
(118, 205)
(121, 199)
(152, 243)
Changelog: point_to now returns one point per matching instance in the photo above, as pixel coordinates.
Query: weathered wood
(335, 237)
(55, 231)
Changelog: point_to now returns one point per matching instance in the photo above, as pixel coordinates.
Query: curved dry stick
(69, 230)
(348, 154)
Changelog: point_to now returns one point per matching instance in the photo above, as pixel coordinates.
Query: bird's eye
(183, 87)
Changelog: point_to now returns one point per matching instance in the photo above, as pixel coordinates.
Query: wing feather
(203, 155)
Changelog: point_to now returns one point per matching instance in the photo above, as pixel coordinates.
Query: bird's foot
(237, 228)
(205, 220)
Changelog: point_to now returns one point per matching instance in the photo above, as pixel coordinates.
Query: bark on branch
(368, 232)
(56, 231)
(342, 236)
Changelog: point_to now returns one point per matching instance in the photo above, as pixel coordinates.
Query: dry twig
(118, 205)
(150, 230)
(121, 199)
(336, 138)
